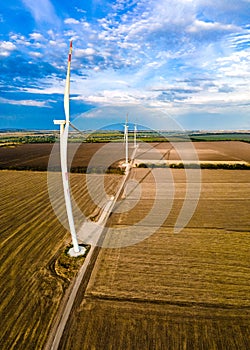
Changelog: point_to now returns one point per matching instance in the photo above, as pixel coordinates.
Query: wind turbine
(64, 131)
(126, 140)
(135, 131)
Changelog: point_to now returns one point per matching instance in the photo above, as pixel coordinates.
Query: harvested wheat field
(31, 241)
(188, 290)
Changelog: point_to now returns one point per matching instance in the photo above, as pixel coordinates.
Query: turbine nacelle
(59, 122)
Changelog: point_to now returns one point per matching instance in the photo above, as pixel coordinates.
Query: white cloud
(84, 52)
(239, 39)
(80, 10)
(235, 66)
(36, 54)
(72, 34)
(36, 36)
(55, 89)
(112, 97)
(32, 103)
(58, 43)
(20, 40)
(53, 43)
(198, 26)
(42, 11)
(51, 34)
(71, 21)
(222, 99)
(6, 47)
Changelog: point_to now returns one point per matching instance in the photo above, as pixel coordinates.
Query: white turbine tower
(126, 141)
(64, 130)
(135, 131)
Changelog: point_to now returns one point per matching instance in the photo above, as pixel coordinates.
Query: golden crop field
(31, 240)
(173, 291)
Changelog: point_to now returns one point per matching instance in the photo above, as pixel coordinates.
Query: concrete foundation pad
(74, 254)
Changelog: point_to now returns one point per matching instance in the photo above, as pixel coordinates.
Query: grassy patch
(67, 266)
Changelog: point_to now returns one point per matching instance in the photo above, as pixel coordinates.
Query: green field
(100, 136)
(245, 137)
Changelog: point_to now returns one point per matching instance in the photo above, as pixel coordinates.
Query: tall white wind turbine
(64, 130)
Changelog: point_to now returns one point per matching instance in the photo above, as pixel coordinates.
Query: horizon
(187, 59)
(226, 131)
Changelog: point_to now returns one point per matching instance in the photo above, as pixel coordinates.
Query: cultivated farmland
(172, 291)
(213, 151)
(169, 291)
(31, 240)
(36, 156)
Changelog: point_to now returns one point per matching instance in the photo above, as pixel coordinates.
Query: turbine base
(74, 254)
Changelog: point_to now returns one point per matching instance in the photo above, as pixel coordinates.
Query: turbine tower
(135, 131)
(64, 130)
(126, 141)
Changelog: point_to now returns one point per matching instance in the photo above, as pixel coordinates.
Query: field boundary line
(180, 303)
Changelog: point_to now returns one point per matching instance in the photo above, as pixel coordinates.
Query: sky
(187, 60)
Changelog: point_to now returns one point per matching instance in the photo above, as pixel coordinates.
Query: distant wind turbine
(64, 130)
(126, 140)
(135, 131)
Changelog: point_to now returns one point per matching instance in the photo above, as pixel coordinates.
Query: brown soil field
(211, 151)
(173, 291)
(224, 150)
(31, 241)
(36, 156)
(25, 155)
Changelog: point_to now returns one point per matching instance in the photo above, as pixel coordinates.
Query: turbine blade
(67, 86)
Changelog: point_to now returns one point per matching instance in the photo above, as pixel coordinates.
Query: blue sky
(187, 59)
